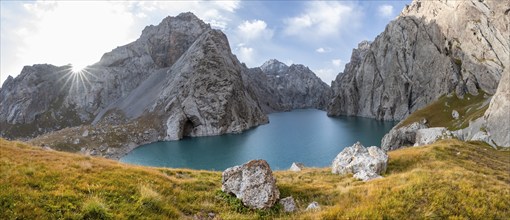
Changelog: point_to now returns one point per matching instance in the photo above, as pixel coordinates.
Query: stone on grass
(288, 203)
(253, 183)
(296, 167)
(313, 206)
(364, 163)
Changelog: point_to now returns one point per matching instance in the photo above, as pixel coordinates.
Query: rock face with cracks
(253, 183)
(433, 48)
(283, 88)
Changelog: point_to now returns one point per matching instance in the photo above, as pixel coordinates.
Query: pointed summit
(160, 45)
(274, 67)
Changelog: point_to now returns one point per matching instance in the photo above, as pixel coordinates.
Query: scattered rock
(103, 147)
(484, 137)
(253, 183)
(288, 204)
(76, 141)
(430, 135)
(366, 176)
(455, 114)
(85, 133)
(313, 206)
(296, 167)
(355, 159)
(402, 137)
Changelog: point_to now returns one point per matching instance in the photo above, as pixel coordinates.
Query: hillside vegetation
(439, 113)
(449, 179)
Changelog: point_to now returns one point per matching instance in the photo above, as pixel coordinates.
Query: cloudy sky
(318, 34)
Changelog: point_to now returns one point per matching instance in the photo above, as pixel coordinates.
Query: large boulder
(364, 163)
(253, 183)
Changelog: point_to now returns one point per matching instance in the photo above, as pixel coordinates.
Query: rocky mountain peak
(432, 49)
(178, 79)
(274, 67)
(364, 45)
(161, 45)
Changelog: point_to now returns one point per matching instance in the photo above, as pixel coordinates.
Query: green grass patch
(439, 113)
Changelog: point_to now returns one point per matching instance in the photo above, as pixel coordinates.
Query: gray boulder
(253, 183)
(430, 135)
(399, 137)
(364, 163)
(455, 114)
(296, 167)
(484, 137)
(288, 203)
(366, 176)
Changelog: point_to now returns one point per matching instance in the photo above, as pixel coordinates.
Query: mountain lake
(307, 136)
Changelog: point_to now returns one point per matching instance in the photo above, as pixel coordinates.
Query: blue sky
(318, 34)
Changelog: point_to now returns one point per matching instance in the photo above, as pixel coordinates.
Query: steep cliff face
(282, 88)
(497, 117)
(433, 48)
(178, 79)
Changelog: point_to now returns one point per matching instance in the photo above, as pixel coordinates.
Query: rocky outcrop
(401, 136)
(364, 163)
(296, 167)
(497, 117)
(253, 183)
(178, 79)
(288, 203)
(430, 135)
(283, 88)
(433, 48)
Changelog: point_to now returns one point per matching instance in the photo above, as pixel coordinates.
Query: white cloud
(322, 18)
(217, 13)
(326, 74)
(336, 62)
(246, 54)
(255, 29)
(323, 50)
(385, 10)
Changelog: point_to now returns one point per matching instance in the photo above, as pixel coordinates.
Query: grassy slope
(439, 113)
(446, 179)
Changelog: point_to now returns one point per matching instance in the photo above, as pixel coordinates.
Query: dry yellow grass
(449, 179)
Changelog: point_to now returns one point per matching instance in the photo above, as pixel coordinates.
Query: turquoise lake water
(308, 136)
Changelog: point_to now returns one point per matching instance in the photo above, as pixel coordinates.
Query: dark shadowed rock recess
(423, 54)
